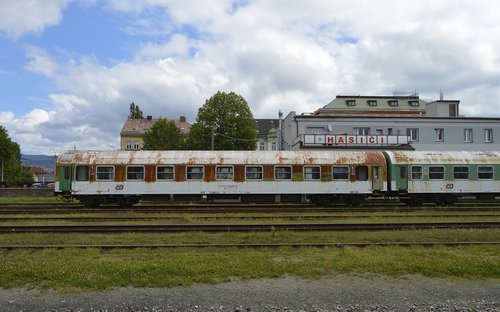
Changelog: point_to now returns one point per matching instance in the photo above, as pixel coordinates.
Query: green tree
(164, 135)
(227, 119)
(10, 159)
(135, 112)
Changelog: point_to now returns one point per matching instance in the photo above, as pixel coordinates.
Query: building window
(488, 135)
(412, 133)
(485, 172)
(362, 131)
(82, 173)
(468, 135)
(436, 173)
(282, 173)
(105, 173)
(439, 134)
(461, 173)
(416, 172)
(453, 110)
(165, 173)
(393, 103)
(350, 102)
(131, 145)
(135, 173)
(253, 172)
(340, 173)
(262, 146)
(312, 173)
(273, 146)
(194, 172)
(224, 172)
(414, 103)
(372, 103)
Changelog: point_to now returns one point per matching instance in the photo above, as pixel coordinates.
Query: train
(322, 177)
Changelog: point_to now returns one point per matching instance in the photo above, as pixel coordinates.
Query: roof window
(393, 103)
(350, 102)
(372, 102)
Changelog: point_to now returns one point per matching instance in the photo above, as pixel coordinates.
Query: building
(401, 121)
(267, 134)
(133, 131)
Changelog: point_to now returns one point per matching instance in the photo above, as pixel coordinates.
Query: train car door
(377, 183)
(402, 179)
(65, 178)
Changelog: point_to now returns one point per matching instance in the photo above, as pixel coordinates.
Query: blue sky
(70, 68)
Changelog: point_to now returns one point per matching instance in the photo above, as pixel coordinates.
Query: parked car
(37, 185)
(50, 185)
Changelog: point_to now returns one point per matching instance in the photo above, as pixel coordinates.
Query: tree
(135, 112)
(163, 135)
(10, 159)
(227, 119)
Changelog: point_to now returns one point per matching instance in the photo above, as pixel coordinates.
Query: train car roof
(443, 158)
(220, 157)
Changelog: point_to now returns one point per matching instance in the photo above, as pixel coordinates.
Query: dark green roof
(264, 125)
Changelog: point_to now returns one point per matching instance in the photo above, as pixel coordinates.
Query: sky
(69, 69)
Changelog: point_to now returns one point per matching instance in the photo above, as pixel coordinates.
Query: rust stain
(120, 173)
(150, 174)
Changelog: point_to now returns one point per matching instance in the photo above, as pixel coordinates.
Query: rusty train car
(125, 177)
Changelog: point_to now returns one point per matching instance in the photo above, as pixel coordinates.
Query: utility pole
(280, 146)
(213, 137)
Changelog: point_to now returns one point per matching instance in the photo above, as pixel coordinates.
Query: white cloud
(289, 55)
(24, 16)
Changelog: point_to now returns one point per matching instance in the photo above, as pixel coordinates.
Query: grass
(93, 269)
(436, 235)
(36, 200)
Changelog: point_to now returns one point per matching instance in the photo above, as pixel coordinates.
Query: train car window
(82, 173)
(361, 173)
(340, 173)
(436, 173)
(461, 173)
(194, 172)
(165, 172)
(485, 172)
(253, 172)
(135, 173)
(105, 173)
(312, 172)
(224, 172)
(416, 172)
(282, 173)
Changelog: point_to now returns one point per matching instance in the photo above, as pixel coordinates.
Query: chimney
(150, 118)
(182, 119)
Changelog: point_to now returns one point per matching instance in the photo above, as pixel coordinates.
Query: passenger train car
(443, 177)
(125, 177)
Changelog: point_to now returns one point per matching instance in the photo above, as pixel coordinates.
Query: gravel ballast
(339, 293)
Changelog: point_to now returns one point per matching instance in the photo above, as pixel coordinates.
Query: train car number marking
(119, 187)
(449, 186)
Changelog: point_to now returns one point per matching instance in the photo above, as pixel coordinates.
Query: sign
(353, 140)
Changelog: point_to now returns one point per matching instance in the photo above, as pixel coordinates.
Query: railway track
(254, 246)
(73, 208)
(217, 228)
(236, 218)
